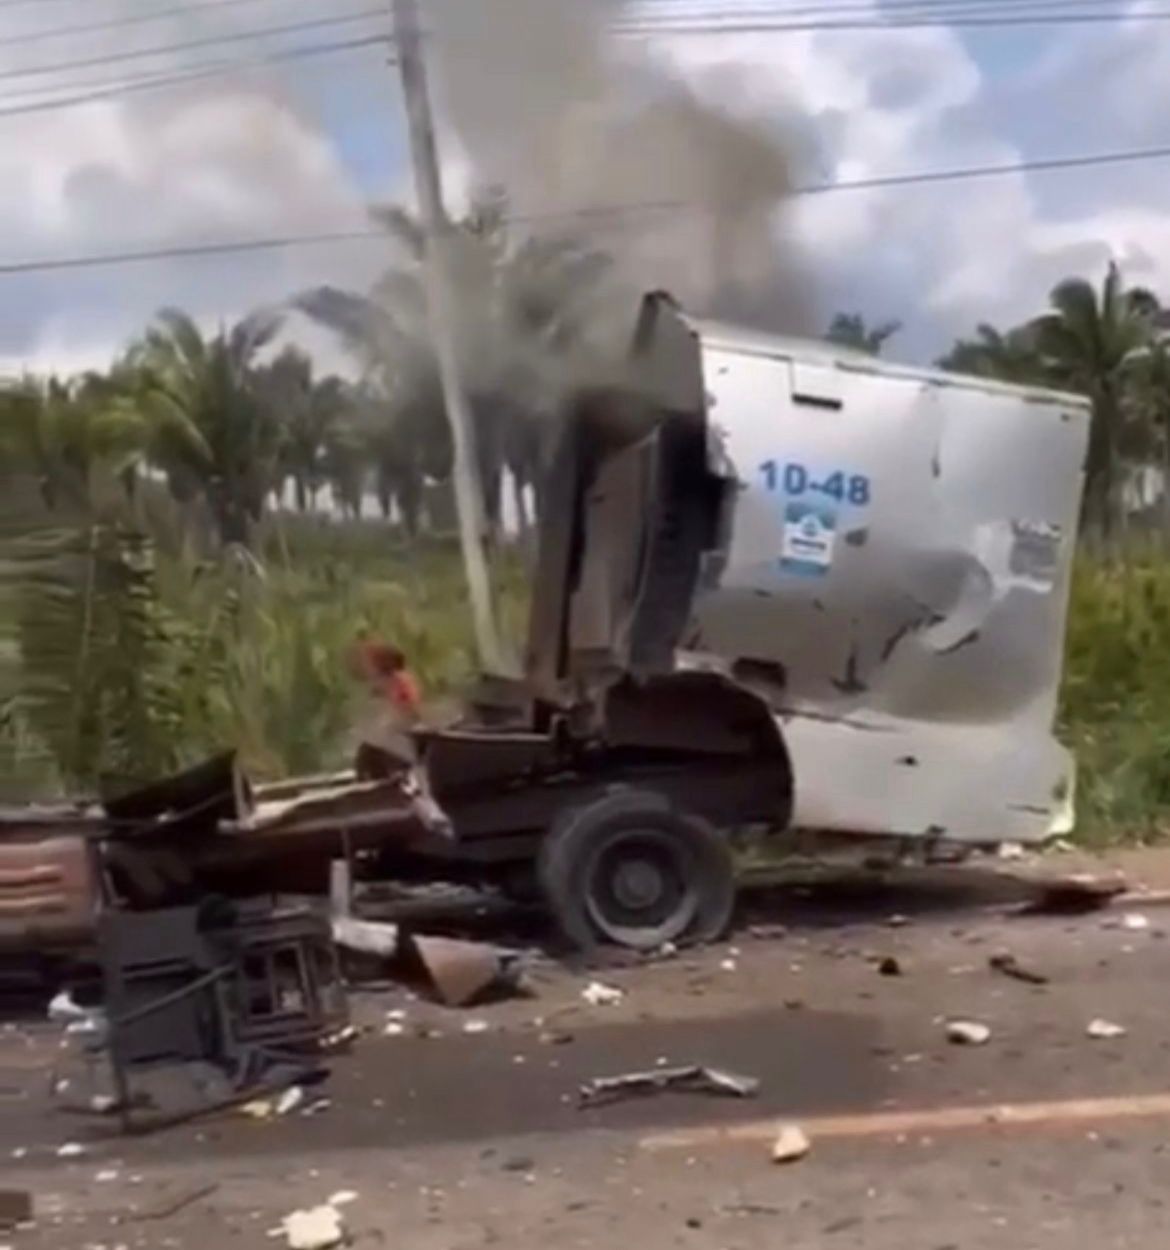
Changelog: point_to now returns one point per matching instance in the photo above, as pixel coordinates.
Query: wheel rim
(640, 890)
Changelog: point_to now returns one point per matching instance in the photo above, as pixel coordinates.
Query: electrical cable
(291, 28)
(921, 178)
(196, 73)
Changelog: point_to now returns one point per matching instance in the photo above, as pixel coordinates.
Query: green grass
(257, 656)
(1116, 703)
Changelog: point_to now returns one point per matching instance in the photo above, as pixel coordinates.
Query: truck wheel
(632, 870)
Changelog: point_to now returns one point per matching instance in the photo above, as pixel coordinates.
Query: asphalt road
(459, 1139)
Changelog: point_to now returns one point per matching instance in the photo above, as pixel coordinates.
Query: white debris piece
(343, 1198)
(1134, 921)
(790, 1145)
(967, 1032)
(597, 994)
(62, 1008)
(728, 965)
(393, 1028)
(103, 1104)
(258, 1108)
(70, 1150)
(1011, 850)
(290, 1100)
(1104, 1030)
(368, 937)
(318, 1228)
(104, 1178)
(476, 1026)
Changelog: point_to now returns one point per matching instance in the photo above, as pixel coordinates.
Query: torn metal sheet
(689, 1080)
(461, 972)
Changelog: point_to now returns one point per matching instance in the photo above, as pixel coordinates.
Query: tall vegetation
(1104, 342)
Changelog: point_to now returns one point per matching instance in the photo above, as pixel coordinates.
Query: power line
(196, 73)
(776, 27)
(118, 23)
(921, 178)
(1042, 165)
(825, 9)
(194, 249)
(291, 28)
(24, 4)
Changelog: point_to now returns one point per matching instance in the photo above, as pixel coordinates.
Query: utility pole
(468, 493)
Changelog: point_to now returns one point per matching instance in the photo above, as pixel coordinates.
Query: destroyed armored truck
(780, 586)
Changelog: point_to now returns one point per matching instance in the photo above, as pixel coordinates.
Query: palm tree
(78, 438)
(1148, 405)
(214, 386)
(310, 412)
(1088, 342)
(1009, 356)
(523, 311)
(851, 330)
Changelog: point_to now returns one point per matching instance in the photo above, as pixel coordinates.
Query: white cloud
(942, 257)
(261, 155)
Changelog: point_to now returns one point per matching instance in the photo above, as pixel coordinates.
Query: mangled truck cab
(867, 564)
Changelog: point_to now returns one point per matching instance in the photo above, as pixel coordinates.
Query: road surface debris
(317, 1228)
(598, 994)
(967, 1032)
(1104, 1030)
(690, 1079)
(1006, 962)
(790, 1145)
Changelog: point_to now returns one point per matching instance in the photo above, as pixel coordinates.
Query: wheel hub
(638, 884)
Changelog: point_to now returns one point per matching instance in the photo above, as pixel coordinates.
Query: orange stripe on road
(926, 1120)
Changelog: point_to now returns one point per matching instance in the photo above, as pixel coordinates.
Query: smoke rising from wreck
(568, 118)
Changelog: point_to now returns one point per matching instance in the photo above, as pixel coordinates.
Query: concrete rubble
(967, 1033)
(791, 1144)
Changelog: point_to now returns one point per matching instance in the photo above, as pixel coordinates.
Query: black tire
(630, 869)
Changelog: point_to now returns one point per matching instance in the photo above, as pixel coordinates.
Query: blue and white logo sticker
(810, 533)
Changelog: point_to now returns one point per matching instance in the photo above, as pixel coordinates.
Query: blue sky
(304, 147)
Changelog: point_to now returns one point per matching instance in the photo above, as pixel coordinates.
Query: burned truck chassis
(624, 833)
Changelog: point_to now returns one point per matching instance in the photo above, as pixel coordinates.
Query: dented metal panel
(49, 891)
(902, 555)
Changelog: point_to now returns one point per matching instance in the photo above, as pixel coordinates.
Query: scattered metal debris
(1105, 1030)
(461, 972)
(1006, 962)
(175, 1205)
(691, 1079)
(249, 990)
(790, 1145)
(597, 994)
(967, 1032)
